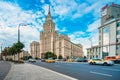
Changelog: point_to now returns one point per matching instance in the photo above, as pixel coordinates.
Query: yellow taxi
(50, 60)
(70, 60)
(100, 61)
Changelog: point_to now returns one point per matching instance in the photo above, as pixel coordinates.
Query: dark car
(64, 59)
(81, 60)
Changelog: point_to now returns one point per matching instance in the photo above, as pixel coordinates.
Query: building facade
(109, 31)
(51, 41)
(93, 52)
(35, 49)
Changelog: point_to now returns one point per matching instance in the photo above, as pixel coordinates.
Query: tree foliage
(60, 56)
(50, 55)
(14, 49)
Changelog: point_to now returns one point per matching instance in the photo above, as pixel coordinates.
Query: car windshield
(98, 59)
(50, 58)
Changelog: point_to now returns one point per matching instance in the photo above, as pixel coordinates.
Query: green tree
(12, 51)
(60, 56)
(5, 52)
(18, 47)
(85, 57)
(50, 55)
(54, 56)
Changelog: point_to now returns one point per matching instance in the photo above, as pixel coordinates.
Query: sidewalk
(32, 72)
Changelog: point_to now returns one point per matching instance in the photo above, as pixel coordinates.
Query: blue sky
(79, 19)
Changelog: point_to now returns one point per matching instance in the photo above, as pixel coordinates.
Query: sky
(79, 19)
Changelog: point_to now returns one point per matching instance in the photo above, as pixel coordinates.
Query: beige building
(51, 41)
(35, 49)
(109, 31)
(93, 52)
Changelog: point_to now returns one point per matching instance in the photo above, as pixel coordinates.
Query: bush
(16, 61)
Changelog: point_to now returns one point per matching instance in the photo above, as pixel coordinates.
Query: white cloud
(42, 1)
(63, 29)
(93, 26)
(11, 15)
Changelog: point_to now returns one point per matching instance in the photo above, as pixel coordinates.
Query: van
(116, 59)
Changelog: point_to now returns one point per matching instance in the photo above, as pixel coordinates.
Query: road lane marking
(101, 74)
(117, 64)
(110, 69)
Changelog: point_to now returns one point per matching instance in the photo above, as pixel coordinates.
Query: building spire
(49, 15)
(49, 10)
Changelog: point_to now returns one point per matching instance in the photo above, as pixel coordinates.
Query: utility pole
(1, 52)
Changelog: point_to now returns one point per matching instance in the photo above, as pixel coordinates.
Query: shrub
(16, 61)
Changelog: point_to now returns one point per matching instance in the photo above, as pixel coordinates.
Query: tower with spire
(51, 41)
(47, 37)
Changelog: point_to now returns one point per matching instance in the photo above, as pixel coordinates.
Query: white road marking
(69, 64)
(101, 74)
(110, 69)
(59, 73)
(117, 64)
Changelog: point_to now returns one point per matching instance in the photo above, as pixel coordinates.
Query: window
(106, 35)
(118, 24)
(118, 40)
(118, 32)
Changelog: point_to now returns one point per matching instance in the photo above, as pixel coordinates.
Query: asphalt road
(84, 71)
(4, 69)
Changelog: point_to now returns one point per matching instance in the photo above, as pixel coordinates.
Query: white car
(32, 60)
(100, 61)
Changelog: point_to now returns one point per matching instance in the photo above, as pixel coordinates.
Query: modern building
(93, 52)
(51, 41)
(109, 31)
(35, 49)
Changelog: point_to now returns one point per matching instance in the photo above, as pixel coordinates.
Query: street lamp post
(91, 48)
(1, 52)
(21, 24)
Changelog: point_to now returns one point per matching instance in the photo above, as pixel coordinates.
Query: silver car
(32, 60)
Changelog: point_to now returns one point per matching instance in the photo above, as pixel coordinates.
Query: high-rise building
(51, 41)
(35, 49)
(109, 31)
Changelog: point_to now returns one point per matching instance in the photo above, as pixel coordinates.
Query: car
(64, 59)
(43, 60)
(70, 60)
(100, 61)
(81, 60)
(116, 59)
(32, 60)
(57, 59)
(50, 60)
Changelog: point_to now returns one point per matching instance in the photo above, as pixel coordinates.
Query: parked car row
(95, 61)
(51, 60)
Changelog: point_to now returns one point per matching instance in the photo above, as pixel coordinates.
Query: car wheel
(91, 63)
(105, 64)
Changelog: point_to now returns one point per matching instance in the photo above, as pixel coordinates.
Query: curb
(10, 72)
